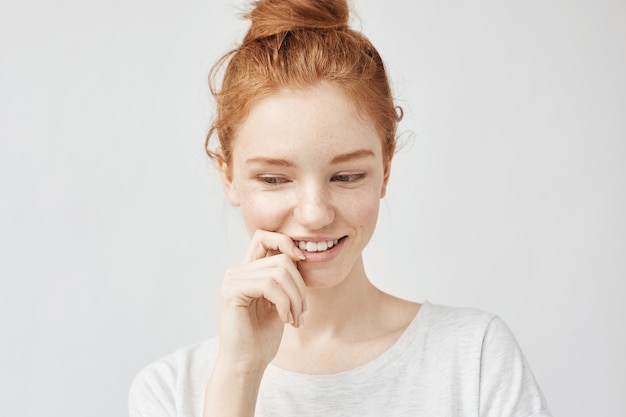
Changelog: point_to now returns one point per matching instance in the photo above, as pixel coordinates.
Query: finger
(278, 268)
(239, 292)
(291, 280)
(266, 243)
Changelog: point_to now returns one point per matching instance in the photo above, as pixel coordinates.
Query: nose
(314, 210)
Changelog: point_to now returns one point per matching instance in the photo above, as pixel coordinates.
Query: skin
(306, 166)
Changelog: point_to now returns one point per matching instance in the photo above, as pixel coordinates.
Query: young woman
(306, 127)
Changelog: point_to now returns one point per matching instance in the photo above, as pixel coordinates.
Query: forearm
(232, 391)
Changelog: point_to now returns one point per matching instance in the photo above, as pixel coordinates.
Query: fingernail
(290, 317)
(299, 254)
(300, 320)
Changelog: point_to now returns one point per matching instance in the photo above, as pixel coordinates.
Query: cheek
(363, 211)
(262, 212)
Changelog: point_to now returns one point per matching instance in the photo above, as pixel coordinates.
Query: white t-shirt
(448, 362)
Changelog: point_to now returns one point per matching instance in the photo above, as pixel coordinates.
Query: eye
(272, 180)
(347, 177)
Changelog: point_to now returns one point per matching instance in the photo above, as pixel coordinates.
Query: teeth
(317, 246)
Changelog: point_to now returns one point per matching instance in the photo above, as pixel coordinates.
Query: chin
(318, 278)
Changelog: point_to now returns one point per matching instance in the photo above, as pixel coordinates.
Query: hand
(258, 298)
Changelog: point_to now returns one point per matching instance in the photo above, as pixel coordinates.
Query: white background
(509, 194)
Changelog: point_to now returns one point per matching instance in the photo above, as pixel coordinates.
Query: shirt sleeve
(151, 393)
(507, 385)
(174, 385)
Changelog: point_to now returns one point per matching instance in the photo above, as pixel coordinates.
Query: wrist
(241, 368)
(232, 388)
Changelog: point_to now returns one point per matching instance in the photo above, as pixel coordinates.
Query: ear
(226, 173)
(387, 171)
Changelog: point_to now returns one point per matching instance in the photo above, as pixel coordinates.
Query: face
(306, 164)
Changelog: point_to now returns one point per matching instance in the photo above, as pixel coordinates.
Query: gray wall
(509, 194)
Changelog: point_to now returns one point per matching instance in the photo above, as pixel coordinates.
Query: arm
(507, 385)
(231, 392)
(257, 299)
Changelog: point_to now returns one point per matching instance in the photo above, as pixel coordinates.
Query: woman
(306, 127)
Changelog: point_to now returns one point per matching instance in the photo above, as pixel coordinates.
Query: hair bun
(271, 17)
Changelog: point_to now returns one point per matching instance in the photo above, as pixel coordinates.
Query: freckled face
(306, 164)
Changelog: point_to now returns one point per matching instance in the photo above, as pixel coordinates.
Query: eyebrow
(361, 153)
(358, 154)
(270, 161)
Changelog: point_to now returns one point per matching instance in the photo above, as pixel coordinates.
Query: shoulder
(469, 325)
(458, 323)
(174, 381)
(480, 347)
(459, 339)
(185, 362)
(442, 315)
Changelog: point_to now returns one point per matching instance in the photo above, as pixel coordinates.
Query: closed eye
(347, 177)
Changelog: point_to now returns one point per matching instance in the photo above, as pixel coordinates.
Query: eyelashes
(272, 180)
(348, 177)
(275, 180)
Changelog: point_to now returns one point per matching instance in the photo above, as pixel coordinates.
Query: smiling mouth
(322, 246)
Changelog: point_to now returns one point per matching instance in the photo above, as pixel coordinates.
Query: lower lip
(324, 256)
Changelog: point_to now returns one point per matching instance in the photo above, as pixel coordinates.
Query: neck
(345, 326)
(339, 311)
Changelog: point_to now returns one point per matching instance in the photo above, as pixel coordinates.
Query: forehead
(318, 121)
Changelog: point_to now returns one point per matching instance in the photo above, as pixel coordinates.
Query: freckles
(262, 213)
(365, 213)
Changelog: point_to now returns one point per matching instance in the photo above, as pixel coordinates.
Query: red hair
(294, 44)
